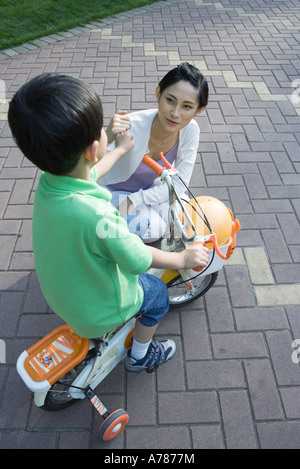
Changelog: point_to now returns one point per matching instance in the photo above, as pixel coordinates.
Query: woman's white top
(141, 122)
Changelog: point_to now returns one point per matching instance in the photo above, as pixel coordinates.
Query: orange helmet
(218, 215)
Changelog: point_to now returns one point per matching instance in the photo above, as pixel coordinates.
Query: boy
(89, 266)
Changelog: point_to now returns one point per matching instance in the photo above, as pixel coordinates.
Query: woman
(181, 95)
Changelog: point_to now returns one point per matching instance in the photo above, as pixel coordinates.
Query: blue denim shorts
(156, 300)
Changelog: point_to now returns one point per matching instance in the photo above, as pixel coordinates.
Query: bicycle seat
(50, 358)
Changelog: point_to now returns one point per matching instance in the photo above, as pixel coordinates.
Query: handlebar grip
(212, 239)
(153, 164)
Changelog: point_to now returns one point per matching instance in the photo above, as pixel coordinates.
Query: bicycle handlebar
(157, 168)
(212, 238)
(155, 165)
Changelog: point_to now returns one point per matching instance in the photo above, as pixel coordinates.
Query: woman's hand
(119, 123)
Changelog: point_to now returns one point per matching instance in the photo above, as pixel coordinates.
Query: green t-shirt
(86, 260)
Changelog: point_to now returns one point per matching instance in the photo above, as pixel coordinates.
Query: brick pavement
(232, 383)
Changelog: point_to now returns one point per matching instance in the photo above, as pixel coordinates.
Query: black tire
(180, 296)
(58, 397)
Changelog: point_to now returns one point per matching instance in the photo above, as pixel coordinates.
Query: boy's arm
(108, 160)
(124, 143)
(194, 256)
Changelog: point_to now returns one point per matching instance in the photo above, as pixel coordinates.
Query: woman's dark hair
(187, 72)
(53, 119)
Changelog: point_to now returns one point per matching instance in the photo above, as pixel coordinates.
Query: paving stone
(263, 391)
(13, 280)
(279, 435)
(165, 437)
(240, 200)
(35, 301)
(214, 374)
(278, 251)
(239, 286)
(195, 336)
(71, 440)
(290, 398)
(258, 221)
(188, 407)
(207, 437)
(141, 414)
(14, 404)
(10, 311)
(258, 266)
(277, 295)
(239, 345)
(248, 319)
(290, 228)
(286, 273)
(28, 440)
(172, 377)
(219, 310)
(238, 426)
(7, 244)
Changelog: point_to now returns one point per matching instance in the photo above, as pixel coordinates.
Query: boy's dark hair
(53, 119)
(187, 72)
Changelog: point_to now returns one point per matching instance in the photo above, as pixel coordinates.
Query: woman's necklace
(155, 139)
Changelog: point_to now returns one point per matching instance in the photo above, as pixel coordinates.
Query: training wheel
(113, 424)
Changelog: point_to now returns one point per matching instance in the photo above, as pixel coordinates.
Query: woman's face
(177, 105)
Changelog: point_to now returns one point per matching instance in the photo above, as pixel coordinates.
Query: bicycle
(62, 367)
(203, 220)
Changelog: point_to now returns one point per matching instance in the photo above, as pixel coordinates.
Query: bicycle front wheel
(179, 294)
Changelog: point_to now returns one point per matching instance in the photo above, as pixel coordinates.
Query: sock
(138, 350)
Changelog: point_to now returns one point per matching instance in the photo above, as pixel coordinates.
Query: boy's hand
(125, 142)
(196, 255)
(119, 123)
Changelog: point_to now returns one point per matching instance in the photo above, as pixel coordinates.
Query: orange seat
(55, 354)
